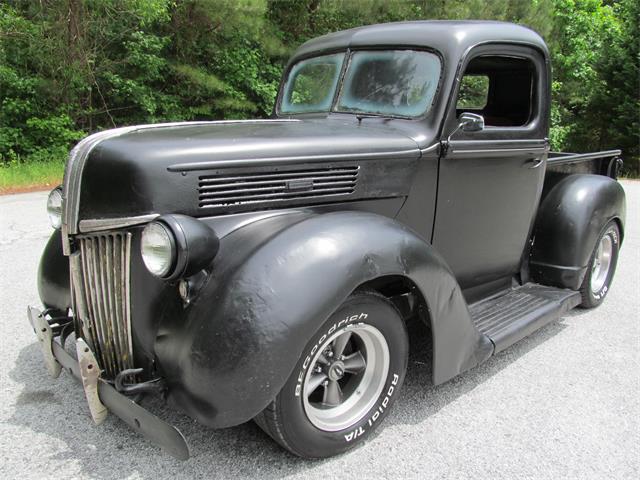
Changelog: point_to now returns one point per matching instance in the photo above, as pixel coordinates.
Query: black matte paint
(488, 191)
(569, 221)
(157, 170)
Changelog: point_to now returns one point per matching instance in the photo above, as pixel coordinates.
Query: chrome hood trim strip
(255, 162)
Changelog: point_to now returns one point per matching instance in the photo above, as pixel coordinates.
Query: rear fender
(568, 224)
(272, 285)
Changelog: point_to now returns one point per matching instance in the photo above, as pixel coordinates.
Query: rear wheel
(602, 267)
(345, 381)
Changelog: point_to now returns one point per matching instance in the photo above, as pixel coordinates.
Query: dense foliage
(70, 67)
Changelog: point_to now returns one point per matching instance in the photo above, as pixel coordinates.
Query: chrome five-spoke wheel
(601, 263)
(346, 376)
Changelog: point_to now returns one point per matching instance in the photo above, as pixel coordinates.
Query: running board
(514, 315)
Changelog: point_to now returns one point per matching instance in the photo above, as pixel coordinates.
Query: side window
(474, 92)
(501, 89)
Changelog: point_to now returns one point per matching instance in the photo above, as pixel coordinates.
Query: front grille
(100, 276)
(246, 188)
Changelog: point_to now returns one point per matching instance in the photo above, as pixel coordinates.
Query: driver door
(490, 181)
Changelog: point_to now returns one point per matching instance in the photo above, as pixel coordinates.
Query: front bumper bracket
(101, 395)
(90, 376)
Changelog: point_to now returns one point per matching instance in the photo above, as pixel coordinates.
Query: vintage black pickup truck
(266, 269)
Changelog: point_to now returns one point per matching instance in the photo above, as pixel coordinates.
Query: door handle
(535, 162)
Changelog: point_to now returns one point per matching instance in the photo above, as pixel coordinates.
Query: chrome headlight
(158, 248)
(54, 207)
(177, 246)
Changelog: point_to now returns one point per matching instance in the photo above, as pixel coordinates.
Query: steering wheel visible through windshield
(395, 83)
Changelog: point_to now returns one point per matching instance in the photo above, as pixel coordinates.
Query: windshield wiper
(360, 116)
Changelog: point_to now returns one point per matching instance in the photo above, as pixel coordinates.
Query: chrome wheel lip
(602, 262)
(364, 396)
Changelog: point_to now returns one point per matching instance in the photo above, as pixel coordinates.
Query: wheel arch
(403, 292)
(620, 223)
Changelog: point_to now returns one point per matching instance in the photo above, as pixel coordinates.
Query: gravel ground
(563, 403)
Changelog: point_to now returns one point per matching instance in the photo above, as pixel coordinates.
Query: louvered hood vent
(247, 188)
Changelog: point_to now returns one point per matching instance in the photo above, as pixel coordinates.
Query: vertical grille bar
(94, 292)
(89, 326)
(107, 345)
(103, 284)
(126, 256)
(113, 283)
(103, 319)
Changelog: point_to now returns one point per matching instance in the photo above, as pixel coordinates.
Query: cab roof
(451, 38)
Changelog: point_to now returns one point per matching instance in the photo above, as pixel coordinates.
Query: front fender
(569, 222)
(53, 275)
(273, 283)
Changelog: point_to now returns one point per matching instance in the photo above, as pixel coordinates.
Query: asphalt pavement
(562, 403)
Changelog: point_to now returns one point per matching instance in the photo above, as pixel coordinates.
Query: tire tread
(268, 421)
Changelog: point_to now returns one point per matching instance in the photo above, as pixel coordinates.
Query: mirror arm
(447, 142)
(460, 125)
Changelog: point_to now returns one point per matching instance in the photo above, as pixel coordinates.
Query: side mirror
(471, 122)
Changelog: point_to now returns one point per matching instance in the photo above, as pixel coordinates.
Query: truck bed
(603, 163)
(561, 164)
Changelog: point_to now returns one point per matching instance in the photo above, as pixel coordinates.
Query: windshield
(312, 84)
(399, 83)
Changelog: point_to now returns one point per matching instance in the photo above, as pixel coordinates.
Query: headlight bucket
(54, 207)
(195, 245)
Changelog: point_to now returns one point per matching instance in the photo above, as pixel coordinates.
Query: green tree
(70, 67)
(595, 56)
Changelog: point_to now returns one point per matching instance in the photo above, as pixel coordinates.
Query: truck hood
(159, 169)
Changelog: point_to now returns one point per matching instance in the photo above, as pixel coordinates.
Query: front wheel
(345, 382)
(602, 267)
